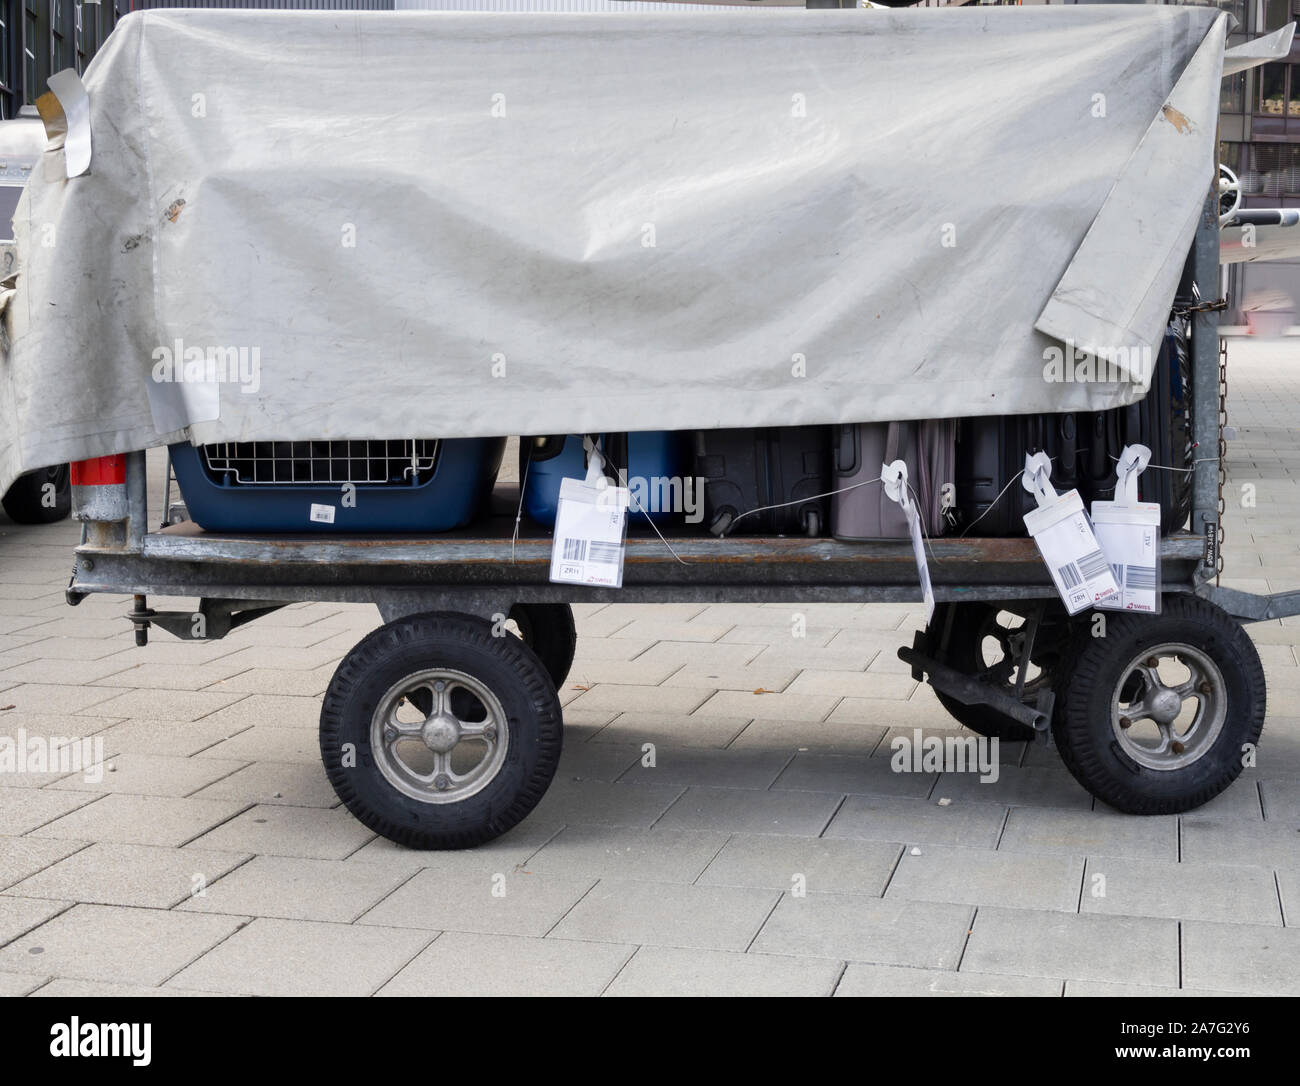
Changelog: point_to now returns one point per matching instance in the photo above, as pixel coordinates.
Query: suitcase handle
(846, 450)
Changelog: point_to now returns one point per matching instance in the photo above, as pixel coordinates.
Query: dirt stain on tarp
(174, 210)
(1177, 119)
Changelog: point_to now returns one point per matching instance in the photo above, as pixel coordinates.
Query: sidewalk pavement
(214, 857)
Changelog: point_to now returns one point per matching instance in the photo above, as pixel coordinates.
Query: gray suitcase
(928, 449)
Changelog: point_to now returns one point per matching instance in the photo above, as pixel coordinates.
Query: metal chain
(1223, 448)
(1203, 307)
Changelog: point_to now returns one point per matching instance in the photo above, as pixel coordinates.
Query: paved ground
(627, 879)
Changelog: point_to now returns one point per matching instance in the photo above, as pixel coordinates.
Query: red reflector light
(101, 471)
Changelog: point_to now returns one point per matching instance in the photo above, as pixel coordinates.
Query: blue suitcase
(411, 485)
(649, 455)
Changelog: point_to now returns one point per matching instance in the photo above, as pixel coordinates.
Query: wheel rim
(1150, 708)
(1010, 644)
(450, 752)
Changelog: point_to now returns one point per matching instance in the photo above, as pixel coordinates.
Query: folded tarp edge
(1257, 51)
(1175, 158)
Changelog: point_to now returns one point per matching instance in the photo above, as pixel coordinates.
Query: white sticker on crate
(322, 514)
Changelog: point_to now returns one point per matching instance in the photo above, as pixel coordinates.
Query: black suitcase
(787, 468)
(991, 454)
(1161, 421)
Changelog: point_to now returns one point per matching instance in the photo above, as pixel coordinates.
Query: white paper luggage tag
(894, 478)
(1066, 540)
(1129, 533)
(590, 520)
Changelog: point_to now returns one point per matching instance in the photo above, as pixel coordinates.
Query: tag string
(800, 501)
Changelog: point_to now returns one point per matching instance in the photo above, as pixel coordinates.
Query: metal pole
(1205, 382)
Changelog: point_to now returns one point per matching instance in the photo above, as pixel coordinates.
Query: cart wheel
(470, 767)
(549, 630)
(980, 642)
(1154, 718)
(28, 502)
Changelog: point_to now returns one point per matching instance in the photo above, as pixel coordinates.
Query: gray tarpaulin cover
(468, 224)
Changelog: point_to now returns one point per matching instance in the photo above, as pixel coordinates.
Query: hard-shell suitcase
(1161, 420)
(928, 449)
(420, 485)
(654, 464)
(782, 471)
(990, 459)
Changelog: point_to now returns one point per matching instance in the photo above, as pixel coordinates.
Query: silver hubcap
(1169, 706)
(439, 736)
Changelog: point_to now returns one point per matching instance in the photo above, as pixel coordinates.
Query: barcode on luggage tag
(605, 553)
(1073, 574)
(575, 550)
(1140, 578)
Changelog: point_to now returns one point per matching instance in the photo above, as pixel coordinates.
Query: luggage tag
(894, 478)
(1066, 540)
(1129, 533)
(590, 521)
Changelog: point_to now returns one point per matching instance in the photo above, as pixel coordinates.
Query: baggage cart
(476, 638)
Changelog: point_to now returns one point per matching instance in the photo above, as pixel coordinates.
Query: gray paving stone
(1245, 895)
(182, 738)
(501, 903)
(151, 775)
(1096, 833)
(918, 822)
(1271, 844)
(140, 820)
(696, 730)
(65, 988)
(671, 971)
(667, 914)
(857, 774)
(113, 874)
(19, 984)
(462, 964)
(976, 876)
(781, 707)
(58, 699)
(132, 946)
(1034, 786)
(272, 830)
(506, 853)
(301, 958)
(263, 743)
(20, 915)
(677, 700)
(655, 855)
(1250, 958)
(1034, 943)
(295, 889)
(810, 736)
(770, 678)
(598, 802)
(826, 866)
(1281, 800)
(160, 704)
(744, 810)
(595, 761)
(861, 979)
(856, 928)
(23, 810)
(269, 711)
(1106, 990)
(688, 767)
(295, 784)
(22, 857)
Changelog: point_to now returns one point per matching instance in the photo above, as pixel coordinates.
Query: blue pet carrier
(408, 485)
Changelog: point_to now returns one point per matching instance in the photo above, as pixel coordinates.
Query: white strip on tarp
(1257, 51)
(447, 224)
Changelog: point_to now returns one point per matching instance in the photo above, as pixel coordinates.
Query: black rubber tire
(508, 667)
(549, 630)
(25, 502)
(1082, 727)
(964, 653)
